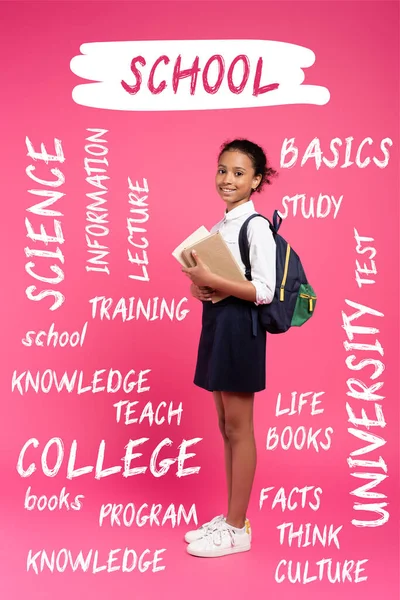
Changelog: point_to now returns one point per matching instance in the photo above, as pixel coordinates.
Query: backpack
(294, 300)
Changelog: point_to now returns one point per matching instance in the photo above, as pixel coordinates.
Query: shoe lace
(216, 535)
(214, 523)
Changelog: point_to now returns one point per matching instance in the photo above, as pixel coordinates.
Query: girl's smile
(235, 178)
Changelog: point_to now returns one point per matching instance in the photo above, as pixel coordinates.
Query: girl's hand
(200, 274)
(201, 293)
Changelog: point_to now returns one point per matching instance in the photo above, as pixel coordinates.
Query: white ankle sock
(237, 529)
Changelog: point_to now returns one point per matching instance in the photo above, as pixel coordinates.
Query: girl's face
(235, 178)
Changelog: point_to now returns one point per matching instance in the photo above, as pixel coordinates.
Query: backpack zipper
(310, 301)
(285, 272)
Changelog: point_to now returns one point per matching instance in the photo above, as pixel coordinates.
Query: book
(214, 252)
(196, 236)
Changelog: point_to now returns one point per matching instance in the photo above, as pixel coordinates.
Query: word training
(128, 515)
(139, 215)
(60, 561)
(315, 153)
(97, 212)
(157, 469)
(131, 308)
(54, 338)
(49, 196)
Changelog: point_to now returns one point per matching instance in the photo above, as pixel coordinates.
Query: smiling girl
(231, 354)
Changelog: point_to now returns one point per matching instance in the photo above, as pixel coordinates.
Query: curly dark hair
(257, 157)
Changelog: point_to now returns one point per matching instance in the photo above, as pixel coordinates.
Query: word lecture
(139, 214)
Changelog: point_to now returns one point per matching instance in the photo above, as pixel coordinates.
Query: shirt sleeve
(262, 260)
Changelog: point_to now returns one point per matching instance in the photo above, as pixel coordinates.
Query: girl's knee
(236, 431)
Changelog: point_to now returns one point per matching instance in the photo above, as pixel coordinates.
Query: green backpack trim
(305, 305)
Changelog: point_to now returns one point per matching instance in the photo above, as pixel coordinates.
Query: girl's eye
(238, 173)
(221, 171)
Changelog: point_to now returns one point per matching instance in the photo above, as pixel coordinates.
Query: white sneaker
(221, 541)
(197, 534)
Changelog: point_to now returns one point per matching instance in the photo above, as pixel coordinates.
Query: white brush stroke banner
(120, 87)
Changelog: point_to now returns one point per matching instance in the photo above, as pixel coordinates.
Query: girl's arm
(202, 276)
(241, 289)
(201, 293)
(261, 289)
(262, 256)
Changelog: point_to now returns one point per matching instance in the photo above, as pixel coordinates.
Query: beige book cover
(215, 253)
(196, 236)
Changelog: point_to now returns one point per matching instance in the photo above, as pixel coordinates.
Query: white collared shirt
(262, 248)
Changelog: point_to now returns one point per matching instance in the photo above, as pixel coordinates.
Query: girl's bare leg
(239, 431)
(227, 447)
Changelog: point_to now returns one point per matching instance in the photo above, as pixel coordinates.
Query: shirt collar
(240, 211)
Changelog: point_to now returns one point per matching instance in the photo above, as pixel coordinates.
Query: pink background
(356, 47)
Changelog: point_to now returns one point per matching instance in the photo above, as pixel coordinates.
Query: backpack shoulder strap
(244, 242)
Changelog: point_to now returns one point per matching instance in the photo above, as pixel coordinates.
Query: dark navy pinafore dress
(232, 348)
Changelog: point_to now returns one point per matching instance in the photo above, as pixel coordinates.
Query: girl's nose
(227, 178)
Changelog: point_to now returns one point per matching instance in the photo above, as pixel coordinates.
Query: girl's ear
(256, 181)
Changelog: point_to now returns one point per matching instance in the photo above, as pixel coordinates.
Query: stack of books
(214, 252)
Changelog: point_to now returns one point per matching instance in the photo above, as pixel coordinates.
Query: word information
(97, 218)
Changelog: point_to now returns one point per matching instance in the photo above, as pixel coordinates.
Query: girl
(231, 355)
